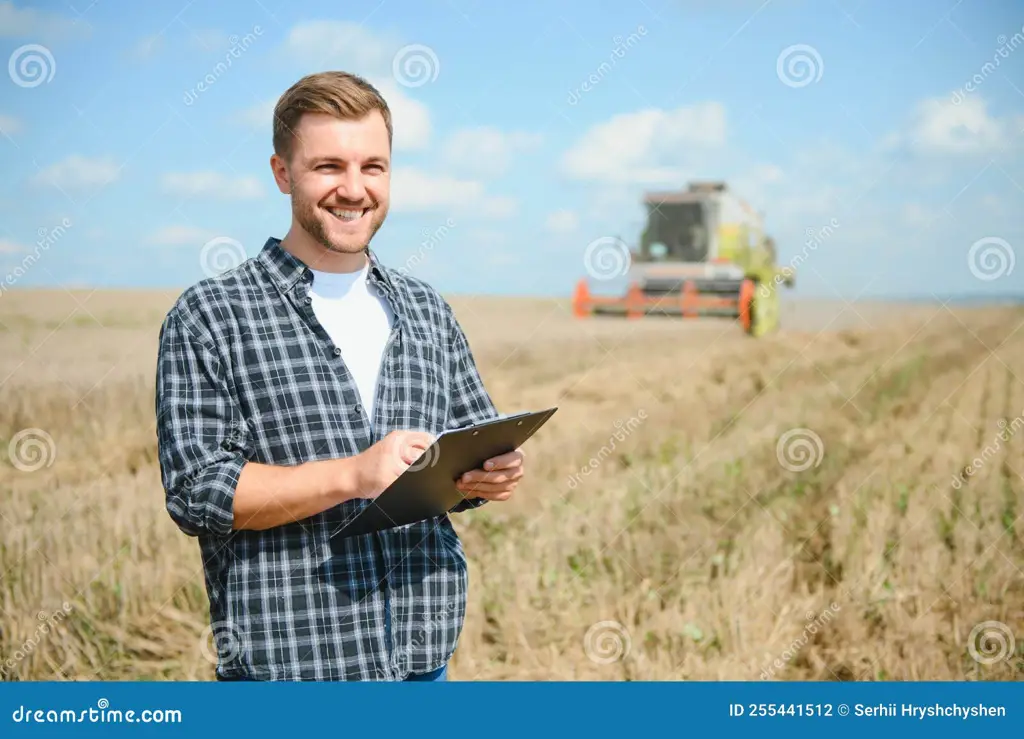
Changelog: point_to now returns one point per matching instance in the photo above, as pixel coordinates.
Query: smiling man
(291, 391)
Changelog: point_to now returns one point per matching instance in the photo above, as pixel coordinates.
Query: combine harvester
(702, 254)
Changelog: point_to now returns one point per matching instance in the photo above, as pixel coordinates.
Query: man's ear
(279, 168)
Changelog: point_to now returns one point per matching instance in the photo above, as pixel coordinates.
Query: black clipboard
(427, 488)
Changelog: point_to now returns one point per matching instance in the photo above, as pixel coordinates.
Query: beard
(312, 218)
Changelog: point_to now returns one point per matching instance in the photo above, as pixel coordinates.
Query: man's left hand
(496, 481)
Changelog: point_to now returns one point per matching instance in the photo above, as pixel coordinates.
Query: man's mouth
(348, 215)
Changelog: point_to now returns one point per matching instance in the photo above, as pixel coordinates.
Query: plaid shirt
(245, 372)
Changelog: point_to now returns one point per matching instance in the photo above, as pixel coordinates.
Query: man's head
(332, 154)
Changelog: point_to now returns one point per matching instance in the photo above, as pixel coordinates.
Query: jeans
(438, 675)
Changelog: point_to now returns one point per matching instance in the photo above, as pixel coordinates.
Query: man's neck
(315, 256)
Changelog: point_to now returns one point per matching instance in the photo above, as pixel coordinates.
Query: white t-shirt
(359, 322)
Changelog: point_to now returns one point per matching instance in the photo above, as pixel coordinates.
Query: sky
(883, 141)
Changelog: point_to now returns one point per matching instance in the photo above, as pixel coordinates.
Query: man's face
(339, 177)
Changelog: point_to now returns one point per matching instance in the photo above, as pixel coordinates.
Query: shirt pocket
(421, 386)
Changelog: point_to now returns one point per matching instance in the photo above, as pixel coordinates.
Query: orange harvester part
(635, 303)
(746, 299)
(581, 300)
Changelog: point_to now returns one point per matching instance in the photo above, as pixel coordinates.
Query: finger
(420, 439)
(499, 476)
(486, 488)
(500, 495)
(413, 445)
(505, 461)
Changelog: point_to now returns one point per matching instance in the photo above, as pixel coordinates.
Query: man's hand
(384, 462)
(496, 481)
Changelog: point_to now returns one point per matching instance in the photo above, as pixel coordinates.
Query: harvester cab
(703, 253)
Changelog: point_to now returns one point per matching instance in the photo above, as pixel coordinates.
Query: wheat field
(839, 501)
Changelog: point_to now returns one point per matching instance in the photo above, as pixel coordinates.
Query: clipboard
(427, 488)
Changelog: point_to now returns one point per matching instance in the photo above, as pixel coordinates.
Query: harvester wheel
(747, 292)
(759, 309)
(581, 307)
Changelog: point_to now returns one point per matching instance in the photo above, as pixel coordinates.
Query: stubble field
(840, 501)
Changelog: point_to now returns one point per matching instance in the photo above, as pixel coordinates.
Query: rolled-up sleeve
(201, 438)
(469, 401)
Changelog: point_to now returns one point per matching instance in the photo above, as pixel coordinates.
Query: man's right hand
(384, 462)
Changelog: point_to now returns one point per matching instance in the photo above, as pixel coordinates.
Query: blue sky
(907, 136)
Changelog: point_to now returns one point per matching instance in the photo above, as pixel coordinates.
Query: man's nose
(351, 186)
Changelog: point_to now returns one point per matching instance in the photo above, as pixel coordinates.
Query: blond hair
(339, 94)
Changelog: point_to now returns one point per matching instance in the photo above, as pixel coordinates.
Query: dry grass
(689, 551)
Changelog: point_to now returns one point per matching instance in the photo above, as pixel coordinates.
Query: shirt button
(357, 409)
(307, 301)
(337, 351)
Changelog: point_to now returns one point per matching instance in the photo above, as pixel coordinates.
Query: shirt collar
(286, 270)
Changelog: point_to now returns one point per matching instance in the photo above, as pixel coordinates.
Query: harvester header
(702, 253)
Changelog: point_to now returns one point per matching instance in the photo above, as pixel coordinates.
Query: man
(291, 391)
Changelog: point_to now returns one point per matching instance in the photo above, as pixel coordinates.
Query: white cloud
(181, 236)
(211, 184)
(329, 44)
(413, 190)
(78, 172)
(209, 40)
(562, 222)
(25, 22)
(148, 47)
(9, 124)
(651, 146)
(486, 151)
(259, 116)
(916, 215)
(333, 44)
(497, 207)
(503, 259)
(10, 247)
(937, 126)
(410, 118)
(488, 237)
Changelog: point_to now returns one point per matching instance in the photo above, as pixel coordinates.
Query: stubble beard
(310, 217)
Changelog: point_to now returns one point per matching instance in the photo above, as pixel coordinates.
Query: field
(839, 501)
